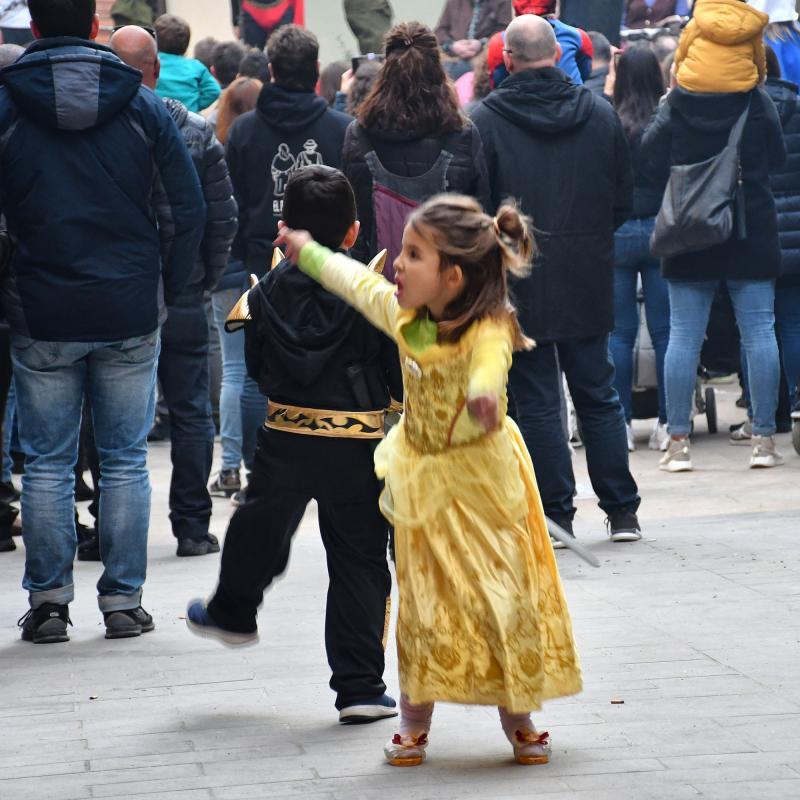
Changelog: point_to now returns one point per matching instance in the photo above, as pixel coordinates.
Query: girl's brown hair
(486, 249)
(412, 92)
(240, 97)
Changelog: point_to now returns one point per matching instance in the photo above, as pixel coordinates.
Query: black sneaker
(159, 432)
(371, 709)
(198, 547)
(623, 526)
(83, 491)
(239, 498)
(128, 623)
(226, 484)
(46, 624)
(7, 544)
(89, 548)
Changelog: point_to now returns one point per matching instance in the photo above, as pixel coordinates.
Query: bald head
(530, 43)
(137, 48)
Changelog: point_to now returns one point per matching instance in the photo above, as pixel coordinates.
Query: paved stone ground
(696, 629)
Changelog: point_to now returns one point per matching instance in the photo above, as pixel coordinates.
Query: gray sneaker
(765, 453)
(226, 484)
(742, 434)
(678, 457)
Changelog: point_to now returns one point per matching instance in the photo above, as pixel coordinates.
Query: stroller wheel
(711, 409)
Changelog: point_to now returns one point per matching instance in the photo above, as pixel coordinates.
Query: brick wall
(104, 10)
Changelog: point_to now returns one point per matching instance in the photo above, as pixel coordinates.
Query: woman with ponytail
(409, 142)
(482, 617)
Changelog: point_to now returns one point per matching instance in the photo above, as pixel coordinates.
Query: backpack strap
(738, 129)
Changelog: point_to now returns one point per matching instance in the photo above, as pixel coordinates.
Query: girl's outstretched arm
(366, 291)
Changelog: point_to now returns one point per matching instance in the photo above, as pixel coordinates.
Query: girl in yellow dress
(482, 617)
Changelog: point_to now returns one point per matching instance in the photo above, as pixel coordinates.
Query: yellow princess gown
(482, 617)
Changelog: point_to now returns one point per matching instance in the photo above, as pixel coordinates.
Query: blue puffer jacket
(785, 181)
(83, 150)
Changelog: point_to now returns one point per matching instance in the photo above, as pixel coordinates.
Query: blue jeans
(787, 324)
(535, 383)
(632, 258)
(690, 306)
(242, 407)
(51, 379)
(183, 373)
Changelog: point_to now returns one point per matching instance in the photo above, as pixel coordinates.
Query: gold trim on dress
(323, 422)
(240, 313)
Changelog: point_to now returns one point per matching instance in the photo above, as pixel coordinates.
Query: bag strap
(738, 129)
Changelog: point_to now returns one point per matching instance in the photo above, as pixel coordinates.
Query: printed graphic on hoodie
(285, 163)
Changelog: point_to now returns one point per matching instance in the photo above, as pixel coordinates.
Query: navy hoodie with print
(83, 149)
(286, 131)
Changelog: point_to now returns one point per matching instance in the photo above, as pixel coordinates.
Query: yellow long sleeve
(369, 293)
(491, 360)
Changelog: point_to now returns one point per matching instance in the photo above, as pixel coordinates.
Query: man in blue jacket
(83, 149)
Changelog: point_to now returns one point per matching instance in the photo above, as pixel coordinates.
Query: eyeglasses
(151, 31)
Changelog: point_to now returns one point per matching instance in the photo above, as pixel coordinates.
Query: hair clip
(408, 42)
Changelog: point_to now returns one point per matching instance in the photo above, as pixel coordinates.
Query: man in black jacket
(183, 365)
(576, 183)
(329, 376)
(290, 128)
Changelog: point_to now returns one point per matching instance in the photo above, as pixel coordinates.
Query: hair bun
(513, 225)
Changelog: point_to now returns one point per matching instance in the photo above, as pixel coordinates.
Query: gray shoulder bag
(700, 200)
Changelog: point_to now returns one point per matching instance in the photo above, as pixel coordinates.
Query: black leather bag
(703, 202)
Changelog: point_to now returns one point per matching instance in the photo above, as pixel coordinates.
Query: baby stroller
(645, 381)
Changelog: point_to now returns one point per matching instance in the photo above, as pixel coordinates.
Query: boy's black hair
(255, 64)
(293, 53)
(63, 17)
(225, 59)
(320, 199)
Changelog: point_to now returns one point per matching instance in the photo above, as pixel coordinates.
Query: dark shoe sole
(366, 719)
(228, 638)
(128, 631)
(200, 549)
(56, 634)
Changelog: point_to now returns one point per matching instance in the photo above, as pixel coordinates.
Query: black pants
(254, 35)
(183, 373)
(535, 383)
(291, 469)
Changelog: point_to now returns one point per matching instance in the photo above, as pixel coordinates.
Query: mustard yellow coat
(482, 616)
(722, 48)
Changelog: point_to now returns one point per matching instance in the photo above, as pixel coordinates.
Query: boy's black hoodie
(306, 347)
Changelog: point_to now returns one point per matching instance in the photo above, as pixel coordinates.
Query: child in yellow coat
(722, 48)
(482, 616)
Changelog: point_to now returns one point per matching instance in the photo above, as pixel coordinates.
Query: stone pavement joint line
(696, 629)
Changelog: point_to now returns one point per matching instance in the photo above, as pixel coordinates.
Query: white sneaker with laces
(765, 453)
(629, 432)
(678, 457)
(659, 438)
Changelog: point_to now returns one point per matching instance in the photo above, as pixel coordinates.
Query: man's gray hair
(9, 53)
(530, 39)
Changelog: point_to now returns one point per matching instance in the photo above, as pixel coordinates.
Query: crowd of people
(461, 226)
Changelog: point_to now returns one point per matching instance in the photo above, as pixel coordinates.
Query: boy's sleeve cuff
(312, 259)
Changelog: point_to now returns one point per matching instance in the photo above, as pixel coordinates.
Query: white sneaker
(743, 435)
(629, 432)
(677, 458)
(765, 453)
(659, 438)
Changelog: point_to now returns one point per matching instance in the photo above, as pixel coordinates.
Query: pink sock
(414, 720)
(514, 722)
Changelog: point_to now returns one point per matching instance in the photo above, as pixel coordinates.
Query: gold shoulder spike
(377, 264)
(277, 257)
(240, 313)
